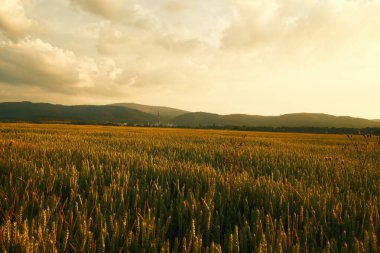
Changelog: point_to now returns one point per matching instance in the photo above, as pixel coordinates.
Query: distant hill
(195, 119)
(143, 114)
(166, 113)
(199, 119)
(27, 111)
(377, 120)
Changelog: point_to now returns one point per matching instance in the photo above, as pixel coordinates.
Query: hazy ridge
(27, 111)
(133, 113)
(166, 113)
(286, 120)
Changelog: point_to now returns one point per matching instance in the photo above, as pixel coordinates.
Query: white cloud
(250, 55)
(199, 20)
(110, 39)
(33, 62)
(13, 20)
(110, 9)
(296, 27)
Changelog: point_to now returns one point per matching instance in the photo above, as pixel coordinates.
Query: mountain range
(131, 113)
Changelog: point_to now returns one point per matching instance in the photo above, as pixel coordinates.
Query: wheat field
(66, 188)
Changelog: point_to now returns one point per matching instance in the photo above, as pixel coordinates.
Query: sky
(266, 57)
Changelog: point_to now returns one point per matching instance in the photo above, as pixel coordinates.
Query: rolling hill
(32, 112)
(143, 114)
(201, 119)
(166, 113)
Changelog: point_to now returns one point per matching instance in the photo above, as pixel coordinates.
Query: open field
(108, 189)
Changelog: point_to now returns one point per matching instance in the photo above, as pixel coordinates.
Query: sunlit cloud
(13, 20)
(110, 9)
(257, 57)
(33, 62)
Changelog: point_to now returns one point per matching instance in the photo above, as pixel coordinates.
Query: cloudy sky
(266, 57)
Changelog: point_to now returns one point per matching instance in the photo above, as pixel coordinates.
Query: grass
(123, 189)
